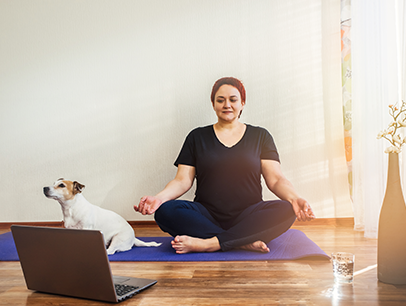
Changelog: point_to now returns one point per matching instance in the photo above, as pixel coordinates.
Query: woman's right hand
(148, 205)
(174, 189)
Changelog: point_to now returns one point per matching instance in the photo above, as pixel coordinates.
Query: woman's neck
(222, 125)
(229, 134)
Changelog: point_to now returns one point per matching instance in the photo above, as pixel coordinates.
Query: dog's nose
(46, 189)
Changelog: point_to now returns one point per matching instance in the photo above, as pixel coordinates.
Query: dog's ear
(77, 187)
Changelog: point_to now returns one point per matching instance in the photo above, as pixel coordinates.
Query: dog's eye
(61, 186)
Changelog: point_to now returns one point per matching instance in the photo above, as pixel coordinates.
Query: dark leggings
(263, 221)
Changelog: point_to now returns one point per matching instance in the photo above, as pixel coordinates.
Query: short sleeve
(187, 155)
(268, 148)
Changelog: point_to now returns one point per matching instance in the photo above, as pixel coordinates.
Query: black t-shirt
(228, 179)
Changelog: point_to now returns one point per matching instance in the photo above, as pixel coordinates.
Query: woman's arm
(182, 182)
(283, 188)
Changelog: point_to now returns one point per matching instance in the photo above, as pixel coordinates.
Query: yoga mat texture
(291, 245)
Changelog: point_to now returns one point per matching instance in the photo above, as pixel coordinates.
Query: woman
(227, 159)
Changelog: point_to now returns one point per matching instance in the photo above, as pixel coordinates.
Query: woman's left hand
(302, 209)
(282, 188)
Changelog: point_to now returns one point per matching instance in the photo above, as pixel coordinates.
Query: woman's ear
(243, 104)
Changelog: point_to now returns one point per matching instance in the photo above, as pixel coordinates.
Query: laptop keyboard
(124, 289)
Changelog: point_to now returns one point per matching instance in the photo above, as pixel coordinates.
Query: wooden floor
(300, 282)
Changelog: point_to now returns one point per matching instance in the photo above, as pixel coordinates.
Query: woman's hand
(281, 187)
(174, 189)
(148, 205)
(302, 209)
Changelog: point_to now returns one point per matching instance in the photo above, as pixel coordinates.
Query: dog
(81, 214)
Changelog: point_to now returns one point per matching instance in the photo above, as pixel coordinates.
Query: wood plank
(298, 282)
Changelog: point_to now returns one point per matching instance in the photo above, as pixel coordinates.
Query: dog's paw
(110, 252)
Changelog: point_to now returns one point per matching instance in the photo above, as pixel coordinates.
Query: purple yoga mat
(291, 245)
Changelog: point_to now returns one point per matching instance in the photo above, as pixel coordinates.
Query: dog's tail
(140, 243)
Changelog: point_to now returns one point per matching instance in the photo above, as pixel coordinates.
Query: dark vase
(392, 229)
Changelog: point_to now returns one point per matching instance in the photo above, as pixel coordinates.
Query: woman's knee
(286, 210)
(283, 210)
(164, 211)
(173, 209)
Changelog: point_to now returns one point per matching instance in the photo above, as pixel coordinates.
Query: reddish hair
(228, 81)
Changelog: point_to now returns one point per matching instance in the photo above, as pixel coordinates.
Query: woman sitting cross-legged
(227, 159)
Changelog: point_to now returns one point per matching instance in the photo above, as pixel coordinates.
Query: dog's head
(63, 190)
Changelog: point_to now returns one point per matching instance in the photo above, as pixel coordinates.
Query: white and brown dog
(79, 213)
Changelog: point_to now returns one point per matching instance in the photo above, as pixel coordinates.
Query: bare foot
(257, 246)
(187, 244)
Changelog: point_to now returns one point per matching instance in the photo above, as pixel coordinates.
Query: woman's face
(227, 103)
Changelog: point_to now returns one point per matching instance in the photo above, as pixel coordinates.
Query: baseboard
(338, 222)
(342, 222)
(7, 225)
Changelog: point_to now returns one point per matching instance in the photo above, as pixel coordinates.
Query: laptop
(71, 262)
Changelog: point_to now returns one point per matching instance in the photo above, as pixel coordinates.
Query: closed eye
(61, 186)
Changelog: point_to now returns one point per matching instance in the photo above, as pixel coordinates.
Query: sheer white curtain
(378, 55)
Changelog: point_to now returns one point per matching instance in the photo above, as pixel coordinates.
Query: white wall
(104, 92)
